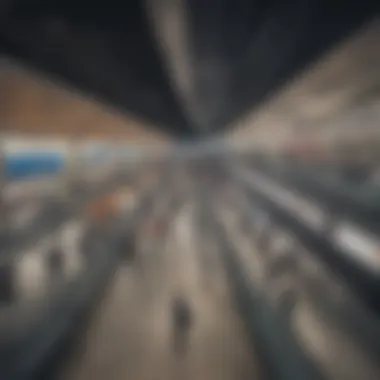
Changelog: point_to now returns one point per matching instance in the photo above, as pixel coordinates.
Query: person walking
(182, 323)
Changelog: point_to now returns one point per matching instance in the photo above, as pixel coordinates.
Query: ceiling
(189, 67)
(335, 100)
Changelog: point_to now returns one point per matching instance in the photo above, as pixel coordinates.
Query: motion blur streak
(189, 190)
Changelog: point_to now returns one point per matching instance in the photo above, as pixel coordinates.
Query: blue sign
(26, 165)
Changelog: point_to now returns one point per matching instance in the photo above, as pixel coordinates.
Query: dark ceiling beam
(244, 50)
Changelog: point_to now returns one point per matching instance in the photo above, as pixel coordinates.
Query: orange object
(106, 206)
(102, 208)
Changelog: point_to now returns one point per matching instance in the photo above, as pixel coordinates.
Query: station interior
(189, 190)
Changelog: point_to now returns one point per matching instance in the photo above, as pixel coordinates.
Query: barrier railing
(332, 324)
(281, 356)
(345, 245)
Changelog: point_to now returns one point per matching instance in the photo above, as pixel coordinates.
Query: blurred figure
(182, 323)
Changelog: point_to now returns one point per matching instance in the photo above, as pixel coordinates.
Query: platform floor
(130, 336)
